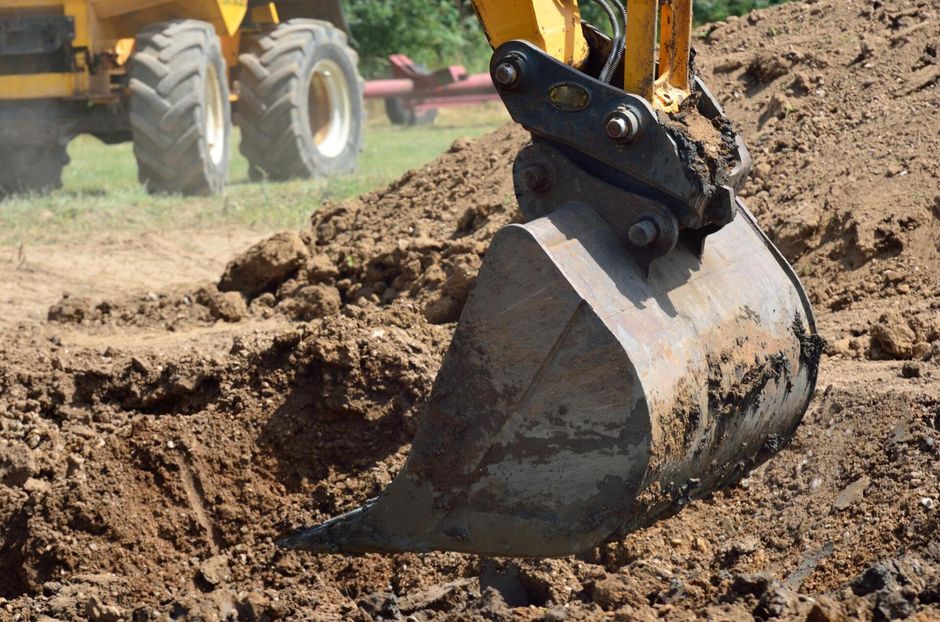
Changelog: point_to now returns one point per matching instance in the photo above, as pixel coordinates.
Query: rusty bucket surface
(581, 399)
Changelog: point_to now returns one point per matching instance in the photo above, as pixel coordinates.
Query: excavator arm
(635, 343)
(554, 26)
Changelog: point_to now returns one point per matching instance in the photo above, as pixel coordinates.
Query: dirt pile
(420, 240)
(838, 103)
(844, 182)
(124, 472)
(143, 486)
(142, 482)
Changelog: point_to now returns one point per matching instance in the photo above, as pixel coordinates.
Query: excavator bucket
(581, 399)
(636, 344)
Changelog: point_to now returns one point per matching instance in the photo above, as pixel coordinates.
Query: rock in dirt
(777, 108)
(311, 302)
(321, 269)
(225, 306)
(892, 337)
(442, 310)
(768, 66)
(37, 485)
(756, 584)
(382, 606)
(97, 611)
(17, 465)
(215, 571)
(852, 494)
(773, 599)
(70, 310)
(257, 607)
(613, 591)
(826, 609)
(265, 265)
(432, 598)
(462, 276)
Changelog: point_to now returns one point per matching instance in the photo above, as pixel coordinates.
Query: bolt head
(623, 125)
(617, 127)
(535, 177)
(506, 74)
(643, 233)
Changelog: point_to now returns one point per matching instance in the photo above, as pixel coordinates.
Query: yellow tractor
(165, 74)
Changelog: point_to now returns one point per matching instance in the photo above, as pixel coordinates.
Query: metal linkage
(546, 180)
(615, 144)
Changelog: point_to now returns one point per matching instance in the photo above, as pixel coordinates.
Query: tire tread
(165, 103)
(270, 122)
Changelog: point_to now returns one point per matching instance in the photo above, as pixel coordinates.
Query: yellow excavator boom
(554, 26)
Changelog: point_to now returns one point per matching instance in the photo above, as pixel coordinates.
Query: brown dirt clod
(265, 264)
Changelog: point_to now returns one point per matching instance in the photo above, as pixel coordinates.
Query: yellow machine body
(127, 70)
(104, 30)
(552, 25)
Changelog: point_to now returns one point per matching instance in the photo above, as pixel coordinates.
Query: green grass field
(100, 190)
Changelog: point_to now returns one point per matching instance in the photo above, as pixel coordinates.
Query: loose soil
(155, 443)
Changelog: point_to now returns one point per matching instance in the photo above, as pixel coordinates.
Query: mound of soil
(844, 182)
(838, 103)
(149, 479)
(420, 240)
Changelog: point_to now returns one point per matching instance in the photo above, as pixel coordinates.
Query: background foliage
(442, 32)
(432, 32)
(716, 10)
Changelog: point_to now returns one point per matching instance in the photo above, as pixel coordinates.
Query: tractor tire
(180, 115)
(32, 150)
(31, 168)
(400, 114)
(300, 107)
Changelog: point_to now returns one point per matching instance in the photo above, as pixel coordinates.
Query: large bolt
(623, 125)
(506, 74)
(643, 233)
(535, 177)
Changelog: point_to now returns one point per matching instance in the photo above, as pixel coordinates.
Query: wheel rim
(215, 117)
(329, 108)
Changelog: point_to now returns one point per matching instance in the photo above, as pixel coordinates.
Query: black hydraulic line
(618, 23)
(621, 45)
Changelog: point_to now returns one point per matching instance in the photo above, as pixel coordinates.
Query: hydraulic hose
(618, 23)
(621, 44)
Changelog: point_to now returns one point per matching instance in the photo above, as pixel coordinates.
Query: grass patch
(100, 190)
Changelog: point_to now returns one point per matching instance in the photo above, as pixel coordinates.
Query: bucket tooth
(581, 399)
